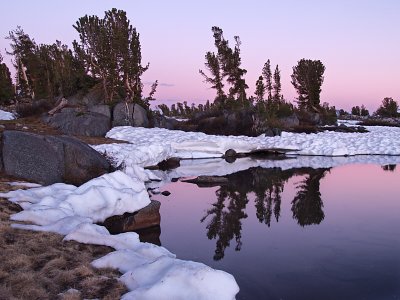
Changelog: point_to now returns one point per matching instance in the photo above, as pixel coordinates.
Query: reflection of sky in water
(351, 254)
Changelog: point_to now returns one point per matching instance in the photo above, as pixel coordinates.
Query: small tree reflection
(226, 224)
(390, 168)
(307, 204)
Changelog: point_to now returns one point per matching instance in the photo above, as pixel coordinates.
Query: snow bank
(149, 146)
(150, 271)
(5, 115)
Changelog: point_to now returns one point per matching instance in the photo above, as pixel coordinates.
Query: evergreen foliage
(359, 111)
(111, 51)
(389, 108)
(307, 79)
(45, 71)
(260, 90)
(225, 65)
(6, 86)
(267, 74)
(277, 87)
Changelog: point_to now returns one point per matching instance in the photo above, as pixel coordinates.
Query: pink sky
(357, 40)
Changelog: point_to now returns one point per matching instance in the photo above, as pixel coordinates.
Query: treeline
(108, 53)
(389, 108)
(225, 74)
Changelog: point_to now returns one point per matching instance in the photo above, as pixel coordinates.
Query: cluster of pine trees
(108, 53)
(224, 72)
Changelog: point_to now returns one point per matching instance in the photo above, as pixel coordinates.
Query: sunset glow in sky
(357, 40)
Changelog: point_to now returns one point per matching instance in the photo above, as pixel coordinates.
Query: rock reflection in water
(226, 215)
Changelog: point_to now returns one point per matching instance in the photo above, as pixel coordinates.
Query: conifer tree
(226, 65)
(388, 108)
(213, 66)
(307, 79)
(267, 74)
(277, 85)
(6, 86)
(260, 89)
(111, 50)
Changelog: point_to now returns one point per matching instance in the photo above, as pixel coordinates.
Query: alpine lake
(297, 233)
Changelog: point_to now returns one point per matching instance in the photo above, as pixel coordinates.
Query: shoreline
(40, 265)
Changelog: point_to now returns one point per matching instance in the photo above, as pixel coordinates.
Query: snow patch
(5, 115)
(149, 271)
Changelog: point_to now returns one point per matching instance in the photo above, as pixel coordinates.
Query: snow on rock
(162, 276)
(150, 146)
(5, 115)
(150, 271)
(108, 195)
(167, 278)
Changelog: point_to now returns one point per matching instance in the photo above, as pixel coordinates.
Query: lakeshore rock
(74, 122)
(49, 159)
(129, 114)
(102, 109)
(169, 164)
(146, 217)
(230, 153)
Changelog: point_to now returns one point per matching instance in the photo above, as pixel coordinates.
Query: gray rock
(48, 159)
(123, 114)
(93, 97)
(164, 122)
(230, 153)
(81, 162)
(80, 123)
(129, 114)
(67, 110)
(169, 164)
(140, 117)
(101, 109)
(290, 122)
(272, 131)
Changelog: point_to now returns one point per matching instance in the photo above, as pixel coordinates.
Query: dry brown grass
(39, 265)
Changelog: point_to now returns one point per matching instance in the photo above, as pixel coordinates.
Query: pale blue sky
(358, 41)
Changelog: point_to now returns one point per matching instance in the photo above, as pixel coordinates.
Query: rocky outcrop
(160, 121)
(48, 159)
(146, 217)
(290, 121)
(71, 121)
(94, 96)
(102, 109)
(129, 114)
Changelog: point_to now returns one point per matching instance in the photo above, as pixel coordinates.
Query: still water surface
(294, 234)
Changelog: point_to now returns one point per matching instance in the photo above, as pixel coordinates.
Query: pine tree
(355, 111)
(277, 85)
(260, 89)
(307, 79)
(267, 74)
(25, 62)
(6, 86)
(111, 50)
(226, 64)
(364, 111)
(388, 108)
(213, 66)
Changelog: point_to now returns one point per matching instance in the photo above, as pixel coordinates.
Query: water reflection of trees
(390, 168)
(226, 215)
(307, 204)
